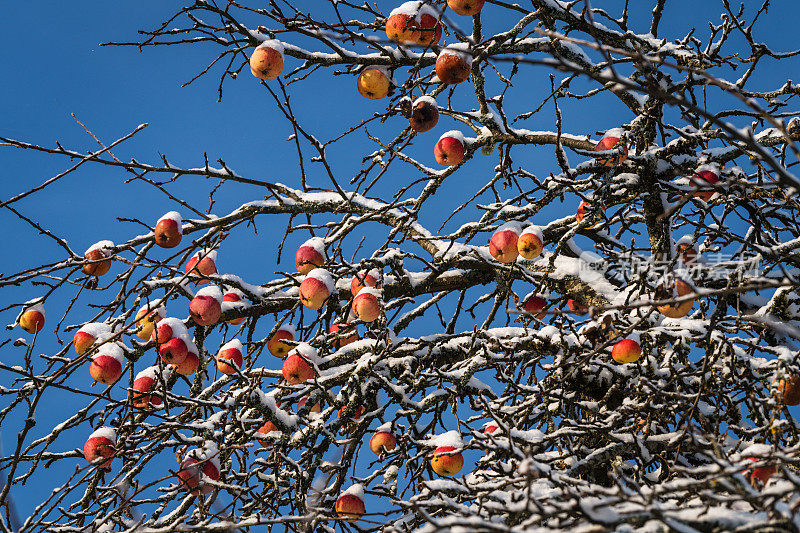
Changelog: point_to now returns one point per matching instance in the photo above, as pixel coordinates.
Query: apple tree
(496, 320)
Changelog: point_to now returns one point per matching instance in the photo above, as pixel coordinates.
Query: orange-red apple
(142, 395)
(534, 305)
(503, 244)
(298, 365)
(106, 365)
(674, 288)
(234, 299)
(626, 351)
(169, 230)
(345, 334)
(230, 357)
(350, 504)
(316, 288)
(174, 351)
(189, 365)
(198, 267)
(530, 242)
(587, 208)
(576, 307)
(466, 8)
(266, 61)
(146, 319)
(789, 390)
(611, 140)
(361, 280)
(99, 259)
(32, 319)
(382, 441)
(276, 346)
(447, 461)
(706, 176)
(367, 304)
(101, 445)
(206, 306)
(316, 408)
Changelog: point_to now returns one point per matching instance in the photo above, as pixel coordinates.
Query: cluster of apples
(511, 241)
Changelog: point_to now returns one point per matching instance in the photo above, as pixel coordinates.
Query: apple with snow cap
(587, 208)
(350, 504)
(429, 29)
(374, 82)
(383, 440)
(299, 364)
(447, 459)
(424, 114)
(530, 242)
(198, 468)
(230, 357)
(361, 280)
(454, 64)
(402, 27)
(345, 334)
(466, 8)
(169, 230)
(206, 306)
(234, 299)
(142, 395)
(706, 176)
(101, 444)
(167, 329)
(99, 257)
(107, 363)
(276, 344)
(90, 333)
(266, 61)
(534, 305)
(670, 289)
(503, 244)
(450, 148)
(202, 264)
(310, 255)
(353, 415)
(789, 390)
(367, 304)
(627, 350)
(32, 318)
(316, 288)
(146, 319)
(610, 141)
(263, 434)
(490, 427)
(686, 250)
(759, 476)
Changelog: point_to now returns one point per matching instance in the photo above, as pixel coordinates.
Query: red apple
(101, 444)
(424, 114)
(99, 259)
(361, 280)
(276, 346)
(706, 176)
(230, 357)
(350, 504)
(316, 408)
(373, 83)
(534, 305)
(298, 366)
(174, 351)
(199, 467)
(310, 255)
(577, 307)
(367, 304)
(107, 363)
(530, 242)
(490, 427)
(626, 351)
(316, 288)
(429, 29)
(382, 441)
(206, 307)
(402, 28)
(202, 264)
(32, 319)
(503, 244)
(466, 8)
(167, 329)
(266, 61)
(449, 149)
(610, 141)
(453, 65)
(268, 427)
(447, 461)
(761, 473)
(168, 231)
(142, 395)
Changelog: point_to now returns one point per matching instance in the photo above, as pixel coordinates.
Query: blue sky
(54, 66)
